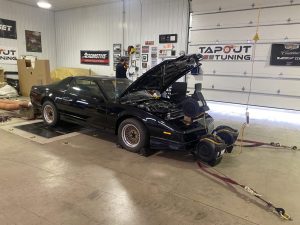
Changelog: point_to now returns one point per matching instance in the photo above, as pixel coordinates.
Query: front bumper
(164, 144)
(180, 137)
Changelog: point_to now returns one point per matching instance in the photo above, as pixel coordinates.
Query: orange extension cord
(10, 105)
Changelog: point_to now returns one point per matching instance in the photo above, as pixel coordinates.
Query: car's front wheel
(132, 135)
(50, 113)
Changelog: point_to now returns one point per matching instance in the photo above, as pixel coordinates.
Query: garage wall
(147, 19)
(233, 22)
(99, 27)
(29, 18)
(88, 28)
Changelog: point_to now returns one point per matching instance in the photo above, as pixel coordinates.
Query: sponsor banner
(285, 54)
(8, 55)
(8, 29)
(229, 52)
(94, 57)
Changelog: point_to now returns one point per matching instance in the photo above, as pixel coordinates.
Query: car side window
(64, 84)
(87, 87)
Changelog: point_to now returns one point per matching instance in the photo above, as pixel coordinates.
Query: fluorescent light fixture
(44, 5)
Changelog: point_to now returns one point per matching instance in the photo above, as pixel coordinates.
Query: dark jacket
(120, 71)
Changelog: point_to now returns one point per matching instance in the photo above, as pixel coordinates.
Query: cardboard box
(1, 75)
(30, 76)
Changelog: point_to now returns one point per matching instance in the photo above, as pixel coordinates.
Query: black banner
(8, 29)
(167, 38)
(94, 57)
(285, 54)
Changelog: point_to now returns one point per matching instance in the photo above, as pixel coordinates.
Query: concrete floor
(87, 180)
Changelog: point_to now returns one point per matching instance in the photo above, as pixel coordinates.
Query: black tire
(50, 114)
(228, 139)
(132, 135)
(205, 151)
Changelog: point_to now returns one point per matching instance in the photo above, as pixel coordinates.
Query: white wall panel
(244, 68)
(29, 18)
(255, 99)
(274, 33)
(286, 87)
(203, 6)
(88, 28)
(98, 27)
(246, 18)
(147, 19)
(209, 26)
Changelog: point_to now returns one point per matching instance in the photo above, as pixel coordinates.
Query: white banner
(229, 52)
(8, 55)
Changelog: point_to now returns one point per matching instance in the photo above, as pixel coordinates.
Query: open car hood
(162, 76)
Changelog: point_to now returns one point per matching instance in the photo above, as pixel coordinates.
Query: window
(87, 87)
(63, 84)
(114, 88)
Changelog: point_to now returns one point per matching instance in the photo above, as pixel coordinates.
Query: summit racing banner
(8, 55)
(226, 52)
(94, 57)
(285, 54)
(8, 29)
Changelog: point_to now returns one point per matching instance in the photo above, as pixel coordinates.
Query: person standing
(121, 68)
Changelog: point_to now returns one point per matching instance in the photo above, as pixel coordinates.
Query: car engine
(162, 108)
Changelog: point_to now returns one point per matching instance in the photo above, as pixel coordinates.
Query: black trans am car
(143, 113)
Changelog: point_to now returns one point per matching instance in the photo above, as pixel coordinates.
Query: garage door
(220, 23)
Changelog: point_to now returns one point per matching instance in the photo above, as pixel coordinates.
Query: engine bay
(162, 108)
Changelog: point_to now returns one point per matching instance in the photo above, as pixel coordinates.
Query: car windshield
(114, 88)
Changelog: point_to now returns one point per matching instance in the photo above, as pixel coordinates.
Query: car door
(59, 91)
(84, 102)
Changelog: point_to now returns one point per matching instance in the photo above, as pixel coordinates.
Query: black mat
(42, 130)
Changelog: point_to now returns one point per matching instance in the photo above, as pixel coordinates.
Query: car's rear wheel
(132, 135)
(50, 113)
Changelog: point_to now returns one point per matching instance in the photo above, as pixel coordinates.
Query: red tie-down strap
(252, 144)
(280, 211)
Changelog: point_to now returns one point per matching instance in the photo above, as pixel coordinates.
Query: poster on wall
(94, 57)
(137, 51)
(149, 42)
(153, 62)
(154, 52)
(145, 58)
(167, 38)
(117, 51)
(117, 48)
(145, 49)
(144, 65)
(228, 52)
(33, 41)
(8, 29)
(8, 55)
(285, 54)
